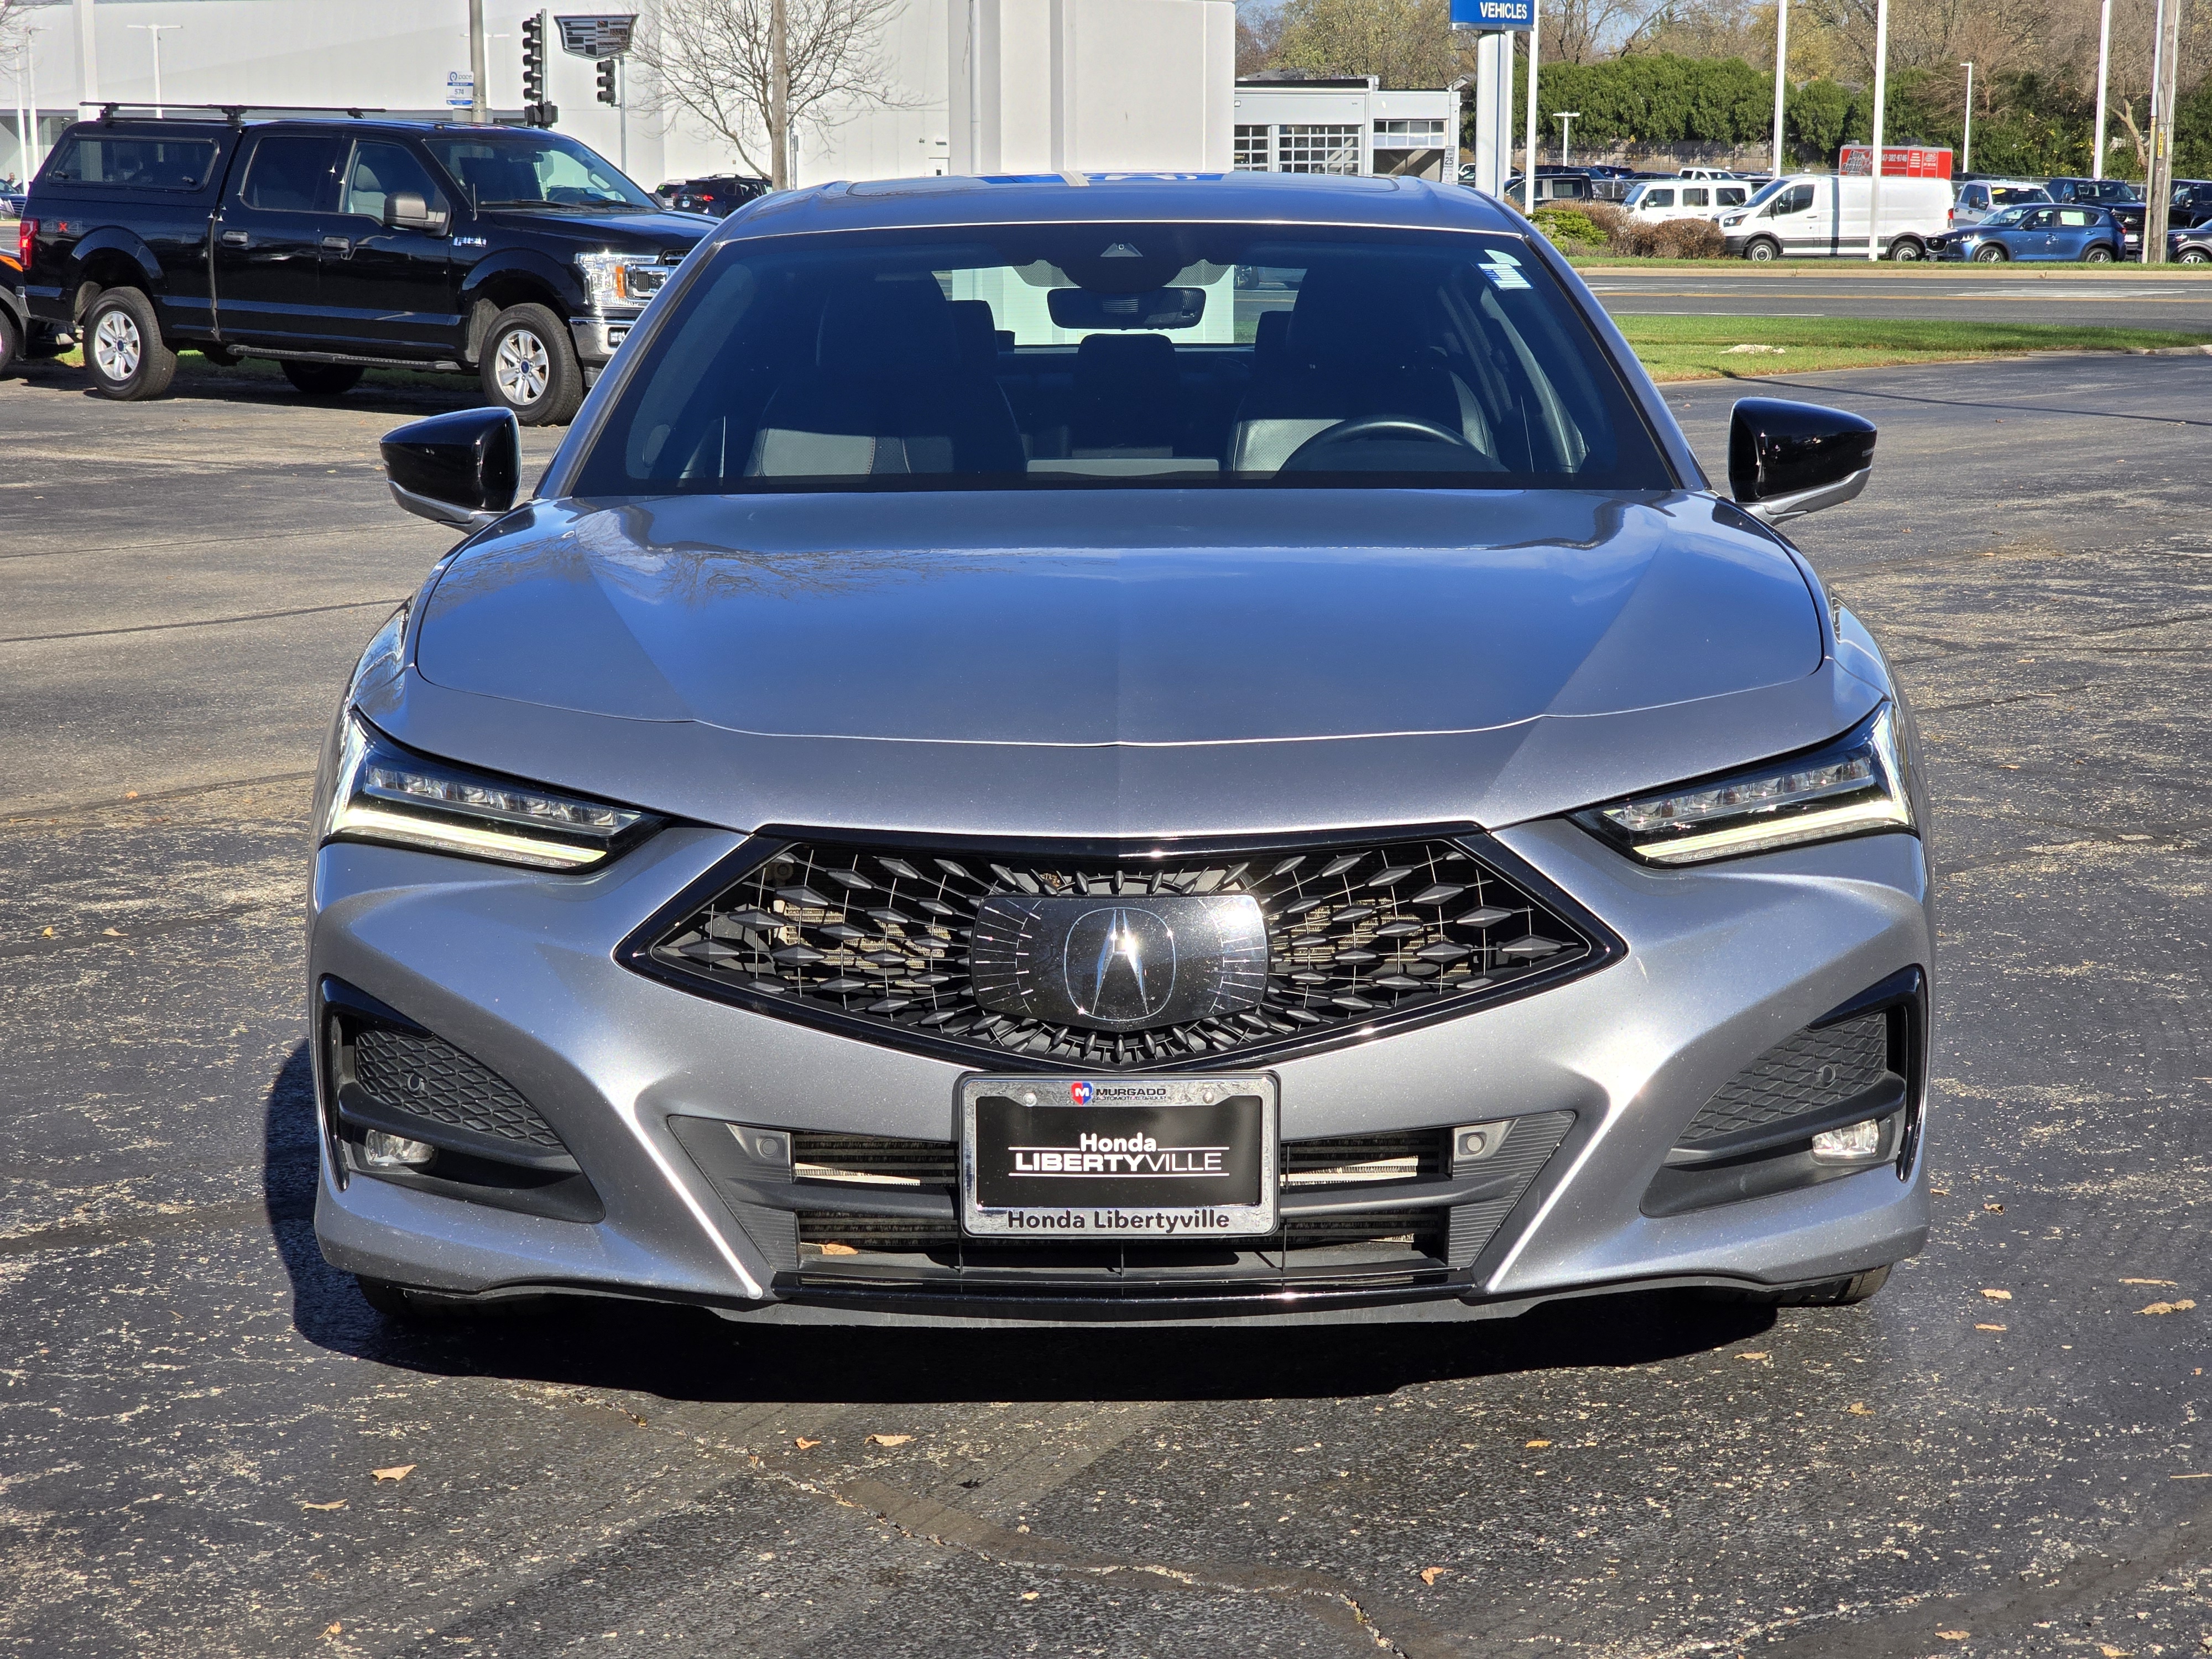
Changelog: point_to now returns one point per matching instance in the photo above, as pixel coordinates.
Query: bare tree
(1405, 43)
(752, 72)
(1259, 36)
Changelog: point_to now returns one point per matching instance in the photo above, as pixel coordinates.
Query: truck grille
(877, 939)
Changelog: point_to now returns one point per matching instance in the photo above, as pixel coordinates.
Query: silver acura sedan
(1135, 749)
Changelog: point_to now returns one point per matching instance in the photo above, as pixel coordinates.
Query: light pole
(1781, 74)
(2104, 65)
(1529, 141)
(1564, 117)
(154, 33)
(1966, 145)
(31, 89)
(1881, 97)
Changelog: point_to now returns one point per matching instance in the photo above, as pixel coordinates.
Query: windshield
(1760, 196)
(536, 170)
(2002, 194)
(1999, 220)
(1146, 355)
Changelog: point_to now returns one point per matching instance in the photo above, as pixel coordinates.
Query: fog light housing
(1849, 1143)
(379, 1151)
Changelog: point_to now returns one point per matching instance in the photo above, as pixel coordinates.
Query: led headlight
(385, 793)
(1854, 786)
(621, 279)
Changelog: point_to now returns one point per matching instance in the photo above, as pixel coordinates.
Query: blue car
(2065, 231)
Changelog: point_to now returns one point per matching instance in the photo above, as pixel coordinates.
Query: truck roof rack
(236, 113)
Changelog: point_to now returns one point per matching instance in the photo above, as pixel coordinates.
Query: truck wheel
(1763, 250)
(323, 379)
(1905, 249)
(11, 341)
(122, 347)
(530, 366)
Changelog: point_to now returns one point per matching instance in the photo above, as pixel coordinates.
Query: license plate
(1069, 1159)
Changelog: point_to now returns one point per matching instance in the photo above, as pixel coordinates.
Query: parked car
(1979, 198)
(2101, 190)
(741, 879)
(2129, 216)
(1708, 173)
(1824, 214)
(2052, 231)
(15, 314)
(1671, 200)
(2191, 203)
(334, 245)
(2190, 248)
(720, 196)
(1552, 187)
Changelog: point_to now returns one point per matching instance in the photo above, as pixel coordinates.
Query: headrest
(1125, 357)
(976, 332)
(1341, 321)
(1272, 337)
(895, 324)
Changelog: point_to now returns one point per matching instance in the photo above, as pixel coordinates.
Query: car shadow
(688, 1353)
(400, 391)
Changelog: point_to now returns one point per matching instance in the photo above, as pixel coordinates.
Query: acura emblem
(1121, 962)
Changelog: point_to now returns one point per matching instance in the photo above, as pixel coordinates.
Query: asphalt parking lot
(2169, 298)
(2002, 1455)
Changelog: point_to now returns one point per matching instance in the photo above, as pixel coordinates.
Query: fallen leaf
(2189, 1477)
(1939, 1191)
(397, 1472)
(2112, 1652)
(839, 1250)
(332, 1629)
(2169, 1284)
(339, 1503)
(1989, 1328)
(1754, 1356)
(49, 933)
(1029, 1595)
(1535, 1444)
(2182, 1306)
(1858, 1408)
(889, 1439)
(1994, 1209)
(1953, 1635)
(1430, 1575)
(1998, 1296)
(804, 1445)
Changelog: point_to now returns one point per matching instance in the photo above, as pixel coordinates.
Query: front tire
(122, 347)
(1763, 250)
(530, 366)
(323, 379)
(1906, 249)
(1990, 253)
(2194, 256)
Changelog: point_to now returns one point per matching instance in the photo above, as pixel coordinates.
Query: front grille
(878, 937)
(1811, 1070)
(414, 1072)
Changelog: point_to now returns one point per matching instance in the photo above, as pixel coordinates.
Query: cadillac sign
(597, 37)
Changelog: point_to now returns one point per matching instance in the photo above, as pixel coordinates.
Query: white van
(1821, 213)
(1671, 198)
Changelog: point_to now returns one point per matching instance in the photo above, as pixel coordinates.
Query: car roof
(209, 125)
(1290, 199)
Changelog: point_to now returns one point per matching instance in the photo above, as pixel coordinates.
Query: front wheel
(122, 347)
(1763, 250)
(1989, 254)
(1905, 250)
(323, 379)
(2099, 255)
(530, 366)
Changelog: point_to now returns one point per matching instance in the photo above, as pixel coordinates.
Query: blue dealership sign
(1493, 14)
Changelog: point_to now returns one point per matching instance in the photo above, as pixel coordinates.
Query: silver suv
(1979, 200)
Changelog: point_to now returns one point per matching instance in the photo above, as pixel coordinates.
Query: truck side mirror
(406, 211)
(1787, 460)
(461, 469)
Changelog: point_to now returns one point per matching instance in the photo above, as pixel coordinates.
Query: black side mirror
(406, 211)
(461, 468)
(1787, 459)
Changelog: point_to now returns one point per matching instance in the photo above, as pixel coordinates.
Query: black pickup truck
(333, 246)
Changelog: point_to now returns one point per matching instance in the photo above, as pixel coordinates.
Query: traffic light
(535, 109)
(607, 73)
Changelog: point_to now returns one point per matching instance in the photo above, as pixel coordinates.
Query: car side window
(1659, 198)
(1698, 197)
(1730, 195)
(2076, 216)
(290, 173)
(1796, 200)
(379, 172)
(2044, 219)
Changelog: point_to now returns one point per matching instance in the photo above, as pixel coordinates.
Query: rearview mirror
(1163, 308)
(406, 211)
(461, 468)
(1787, 459)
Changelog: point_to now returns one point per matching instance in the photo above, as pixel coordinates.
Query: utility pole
(480, 100)
(2158, 200)
(1781, 75)
(154, 33)
(778, 98)
(1881, 97)
(1967, 143)
(2103, 70)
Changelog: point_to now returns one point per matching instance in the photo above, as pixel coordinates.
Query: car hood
(659, 229)
(1120, 663)
(1073, 620)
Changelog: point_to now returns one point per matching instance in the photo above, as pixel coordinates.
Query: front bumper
(519, 970)
(598, 338)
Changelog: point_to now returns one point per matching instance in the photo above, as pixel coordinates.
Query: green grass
(1697, 347)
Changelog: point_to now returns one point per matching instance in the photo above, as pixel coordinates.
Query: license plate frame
(1120, 1205)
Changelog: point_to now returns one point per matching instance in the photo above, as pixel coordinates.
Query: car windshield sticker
(1505, 270)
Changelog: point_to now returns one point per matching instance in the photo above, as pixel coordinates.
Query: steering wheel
(1302, 459)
